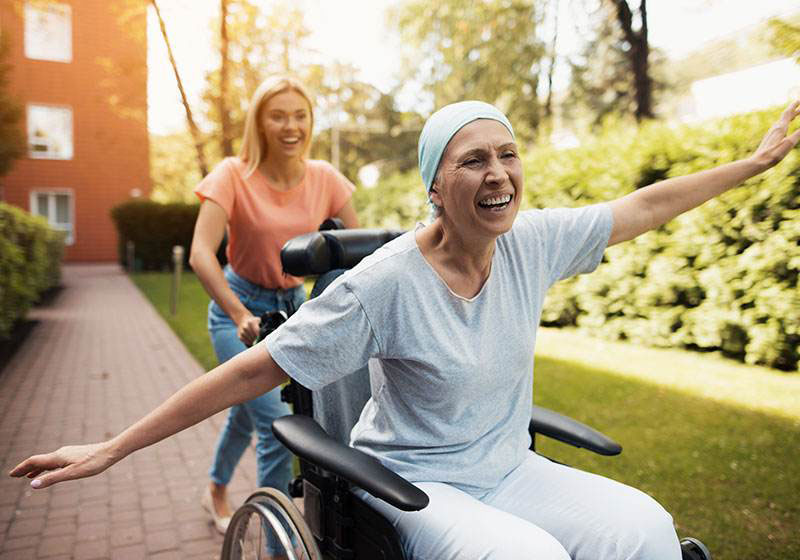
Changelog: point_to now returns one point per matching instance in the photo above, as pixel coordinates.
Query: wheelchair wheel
(268, 526)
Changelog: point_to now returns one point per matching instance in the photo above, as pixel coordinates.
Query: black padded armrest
(321, 251)
(567, 430)
(306, 439)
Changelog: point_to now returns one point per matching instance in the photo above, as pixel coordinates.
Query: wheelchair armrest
(306, 439)
(567, 430)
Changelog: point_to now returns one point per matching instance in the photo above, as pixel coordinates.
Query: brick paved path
(100, 358)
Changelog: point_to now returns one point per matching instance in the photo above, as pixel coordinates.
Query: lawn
(721, 456)
(189, 322)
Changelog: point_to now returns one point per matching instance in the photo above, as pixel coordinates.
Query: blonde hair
(254, 148)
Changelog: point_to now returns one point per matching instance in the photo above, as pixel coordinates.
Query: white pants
(542, 511)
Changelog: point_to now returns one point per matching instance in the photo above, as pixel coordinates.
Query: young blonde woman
(269, 194)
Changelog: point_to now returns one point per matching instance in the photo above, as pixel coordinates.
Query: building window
(49, 132)
(48, 31)
(57, 208)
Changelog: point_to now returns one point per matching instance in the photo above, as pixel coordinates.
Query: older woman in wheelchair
(445, 319)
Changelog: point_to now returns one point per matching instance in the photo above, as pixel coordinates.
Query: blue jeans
(274, 460)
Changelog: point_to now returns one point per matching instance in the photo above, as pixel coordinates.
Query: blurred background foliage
(721, 278)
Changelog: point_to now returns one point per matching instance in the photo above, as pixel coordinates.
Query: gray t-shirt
(451, 377)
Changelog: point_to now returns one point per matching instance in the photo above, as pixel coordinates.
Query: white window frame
(51, 193)
(50, 151)
(38, 45)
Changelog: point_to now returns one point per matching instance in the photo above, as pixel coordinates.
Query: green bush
(723, 277)
(155, 229)
(30, 262)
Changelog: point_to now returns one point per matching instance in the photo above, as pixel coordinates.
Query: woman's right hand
(67, 463)
(247, 329)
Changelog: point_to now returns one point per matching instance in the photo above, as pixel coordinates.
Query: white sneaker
(220, 523)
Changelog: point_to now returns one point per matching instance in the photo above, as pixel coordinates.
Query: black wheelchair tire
(261, 503)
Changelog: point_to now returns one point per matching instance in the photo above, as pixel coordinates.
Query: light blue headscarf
(443, 125)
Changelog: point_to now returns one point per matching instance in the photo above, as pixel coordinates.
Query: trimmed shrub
(723, 277)
(30, 262)
(154, 229)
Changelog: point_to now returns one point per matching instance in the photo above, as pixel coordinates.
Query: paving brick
(157, 518)
(195, 531)
(134, 552)
(25, 527)
(127, 515)
(91, 550)
(126, 535)
(19, 554)
(201, 547)
(158, 541)
(92, 531)
(58, 529)
(19, 543)
(54, 546)
(167, 555)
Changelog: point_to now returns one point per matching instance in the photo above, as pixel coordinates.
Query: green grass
(729, 476)
(190, 321)
(714, 441)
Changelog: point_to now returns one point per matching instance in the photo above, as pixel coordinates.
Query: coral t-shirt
(261, 219)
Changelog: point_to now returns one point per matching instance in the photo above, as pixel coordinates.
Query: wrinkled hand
(776, 144)
(67, 463)
(247, 329)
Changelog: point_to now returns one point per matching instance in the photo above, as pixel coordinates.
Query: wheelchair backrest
(336, 407)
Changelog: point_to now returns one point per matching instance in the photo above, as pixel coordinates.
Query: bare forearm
(656, 204)
(244, 377)
(208, 271)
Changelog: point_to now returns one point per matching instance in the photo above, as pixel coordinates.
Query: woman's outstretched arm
(656, 204)
(242, 378)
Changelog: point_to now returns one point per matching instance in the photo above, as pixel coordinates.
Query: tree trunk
(224, 116)
(638, 55)
(548, 105)
(195, 132)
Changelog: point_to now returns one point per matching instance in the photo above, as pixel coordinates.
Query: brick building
(79, 70)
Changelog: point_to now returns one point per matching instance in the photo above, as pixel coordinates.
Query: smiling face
(285, 123)
(479, 182)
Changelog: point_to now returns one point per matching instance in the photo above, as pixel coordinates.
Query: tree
(173, 167)
(485, 50)
(638, 55)
(617, 72)
(12, 140)
(255, 44)
(784, 37)
(193, 129)
(224, 117)
(364, 124)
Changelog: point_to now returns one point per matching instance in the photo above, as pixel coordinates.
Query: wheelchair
(335, 524)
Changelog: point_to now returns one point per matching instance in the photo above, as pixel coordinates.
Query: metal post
(130, 256)
(177, 268)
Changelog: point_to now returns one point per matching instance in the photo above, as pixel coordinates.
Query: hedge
(30, 263)
(723, 277)
(155, 228)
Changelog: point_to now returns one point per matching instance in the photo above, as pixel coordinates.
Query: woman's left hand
(776, 144)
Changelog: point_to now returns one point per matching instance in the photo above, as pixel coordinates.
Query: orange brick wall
(106, 87)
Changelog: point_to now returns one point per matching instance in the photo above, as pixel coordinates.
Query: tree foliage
(12, 140)
(616, 72)
(784, 37)
(173, 167)
(485, 50)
